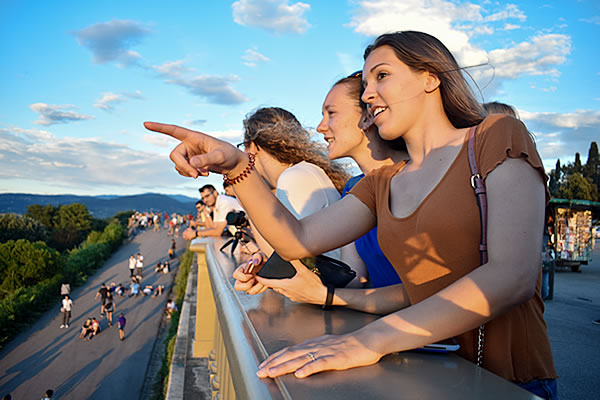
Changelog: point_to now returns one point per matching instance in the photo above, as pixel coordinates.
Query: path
(46, 356)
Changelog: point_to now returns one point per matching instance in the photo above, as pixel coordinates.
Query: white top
(140, 262)
(132, 262)
(67, 304)
(305, 188)
(224, 205)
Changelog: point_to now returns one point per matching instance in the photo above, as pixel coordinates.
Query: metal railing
(236, 331)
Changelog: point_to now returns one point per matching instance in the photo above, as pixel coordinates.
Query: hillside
(100, 206)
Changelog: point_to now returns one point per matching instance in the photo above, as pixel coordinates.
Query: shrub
(15, 227)
(24, 264)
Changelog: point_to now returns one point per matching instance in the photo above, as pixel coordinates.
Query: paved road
(46, 356)
(575, 340)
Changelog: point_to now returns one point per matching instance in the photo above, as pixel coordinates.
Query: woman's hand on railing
(198, 153)
(319, 354)
(304, 287)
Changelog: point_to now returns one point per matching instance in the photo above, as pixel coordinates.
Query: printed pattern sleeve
(502, 136)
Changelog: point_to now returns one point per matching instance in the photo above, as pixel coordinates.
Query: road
(575, 340)
(47, 357)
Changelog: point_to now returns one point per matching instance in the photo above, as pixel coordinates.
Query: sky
(79, 78)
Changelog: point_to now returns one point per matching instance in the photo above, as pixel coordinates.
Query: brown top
(439, 243)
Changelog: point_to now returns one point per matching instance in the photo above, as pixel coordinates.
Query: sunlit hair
(495, 107)
(423, 52)
(354, 89)
(278, 132)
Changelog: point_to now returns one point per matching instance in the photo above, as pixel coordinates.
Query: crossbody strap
(478, 185)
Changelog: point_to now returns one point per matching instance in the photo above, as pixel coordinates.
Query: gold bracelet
(245, 173)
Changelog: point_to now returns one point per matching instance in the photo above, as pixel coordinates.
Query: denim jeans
(544, 388)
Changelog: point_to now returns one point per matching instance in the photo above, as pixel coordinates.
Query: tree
(44, 214)
(72, 224)
(555, 176)
(23, 264)
(592, 166)
(577, 187)
(14, 227)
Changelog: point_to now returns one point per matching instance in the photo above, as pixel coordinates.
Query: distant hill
(100, 206)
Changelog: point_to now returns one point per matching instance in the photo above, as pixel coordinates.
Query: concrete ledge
(177, 372)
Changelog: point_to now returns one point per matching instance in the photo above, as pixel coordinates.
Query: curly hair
(278, 132)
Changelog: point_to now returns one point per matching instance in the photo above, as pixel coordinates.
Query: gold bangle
(245, 173)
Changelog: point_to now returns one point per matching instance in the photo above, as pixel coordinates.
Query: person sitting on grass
(170, 308)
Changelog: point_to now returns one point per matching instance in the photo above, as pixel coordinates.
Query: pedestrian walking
(172, 248)
(48, 395)
(132, 262)
(109, 307)
(67, 306)
(139, 264)
(122, 322)
(103, 294)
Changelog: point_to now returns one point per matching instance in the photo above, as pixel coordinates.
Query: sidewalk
(575, 340)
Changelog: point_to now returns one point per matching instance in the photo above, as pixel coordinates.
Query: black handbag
(332, 272)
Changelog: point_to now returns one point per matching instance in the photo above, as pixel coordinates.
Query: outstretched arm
(516, 217)
(198, 154)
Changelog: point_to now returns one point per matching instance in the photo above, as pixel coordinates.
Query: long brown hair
(278, 132)
(423, 52)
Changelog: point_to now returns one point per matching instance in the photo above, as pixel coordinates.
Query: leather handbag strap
(478, 185)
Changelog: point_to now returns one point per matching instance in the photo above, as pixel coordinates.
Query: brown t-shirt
(439, 243)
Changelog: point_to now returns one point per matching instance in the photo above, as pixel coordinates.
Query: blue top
(381, 272)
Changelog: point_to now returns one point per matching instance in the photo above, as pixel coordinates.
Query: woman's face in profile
(339, 126)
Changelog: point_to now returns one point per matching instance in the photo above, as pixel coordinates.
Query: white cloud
(540, 56)
(561, 135)
(273, 15)
(112, 41)
(82, 164)
(253, 57)
(511, 11)
(592, 20)
(109, 99)
(510, 27)
(51, 114)
(214, 88)
(455, 25)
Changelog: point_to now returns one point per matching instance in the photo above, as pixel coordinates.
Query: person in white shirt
(304, 179)
(67, 306)
(221, 205)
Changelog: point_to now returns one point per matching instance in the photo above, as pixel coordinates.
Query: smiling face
(394, 93)
(341, 115)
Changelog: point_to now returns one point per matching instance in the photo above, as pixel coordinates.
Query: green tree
(23, 264)
(592, 166)
(72, 224)
(555, 177)
(577, 187)
(14, 227)
(44, 214)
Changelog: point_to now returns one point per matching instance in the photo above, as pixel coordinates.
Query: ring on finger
(312, 357)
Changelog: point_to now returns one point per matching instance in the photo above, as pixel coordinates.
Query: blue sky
(79, 78)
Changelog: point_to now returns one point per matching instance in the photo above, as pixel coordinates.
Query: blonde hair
(278, 132)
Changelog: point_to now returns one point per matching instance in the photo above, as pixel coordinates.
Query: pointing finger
(172, 130)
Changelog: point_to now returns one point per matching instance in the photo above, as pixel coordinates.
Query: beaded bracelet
(245, 173)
